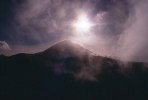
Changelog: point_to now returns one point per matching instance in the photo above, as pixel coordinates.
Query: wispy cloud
(4, 46)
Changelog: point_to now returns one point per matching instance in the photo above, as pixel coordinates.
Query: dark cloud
(7, 13)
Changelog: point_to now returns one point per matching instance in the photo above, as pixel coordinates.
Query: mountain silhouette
(66, 48)
(68, 71)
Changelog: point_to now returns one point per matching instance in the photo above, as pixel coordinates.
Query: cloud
(4, 45)
(48, 20)
(133, 43)
(122, 33)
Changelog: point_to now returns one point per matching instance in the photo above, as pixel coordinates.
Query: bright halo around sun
(82, 24)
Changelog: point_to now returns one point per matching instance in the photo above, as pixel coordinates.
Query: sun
(83, 27)
(82, 24)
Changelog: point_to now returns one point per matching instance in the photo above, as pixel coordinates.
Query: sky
(119, 26)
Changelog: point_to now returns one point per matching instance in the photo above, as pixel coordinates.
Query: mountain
(66, 48)
(68, 71)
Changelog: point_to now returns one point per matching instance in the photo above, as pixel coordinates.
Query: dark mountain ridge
(68, 71)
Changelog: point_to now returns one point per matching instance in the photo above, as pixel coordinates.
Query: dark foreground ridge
(67, 71)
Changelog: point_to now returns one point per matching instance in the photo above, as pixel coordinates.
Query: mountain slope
(65, 49)
(67, 71)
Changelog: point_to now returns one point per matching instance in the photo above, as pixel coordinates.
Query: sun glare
(82, 24)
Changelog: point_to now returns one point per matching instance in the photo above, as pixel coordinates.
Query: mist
(133, 40)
